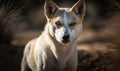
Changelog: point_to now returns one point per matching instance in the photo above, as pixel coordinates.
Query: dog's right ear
(50, 8)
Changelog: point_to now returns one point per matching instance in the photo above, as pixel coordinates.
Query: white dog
(55, 49)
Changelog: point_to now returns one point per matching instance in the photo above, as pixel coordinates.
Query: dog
(55, 49)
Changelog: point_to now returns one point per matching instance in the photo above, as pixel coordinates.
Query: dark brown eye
(72, 24)
(58, 23)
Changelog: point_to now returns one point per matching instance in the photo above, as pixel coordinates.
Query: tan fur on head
(50, 8)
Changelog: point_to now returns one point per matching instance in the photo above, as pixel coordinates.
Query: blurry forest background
(98, 45)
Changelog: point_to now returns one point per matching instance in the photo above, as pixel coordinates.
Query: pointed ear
(79, 8)
(50, 8)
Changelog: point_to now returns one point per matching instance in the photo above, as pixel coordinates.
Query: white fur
(65, 19)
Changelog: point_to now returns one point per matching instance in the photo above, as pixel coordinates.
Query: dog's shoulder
(30, 46)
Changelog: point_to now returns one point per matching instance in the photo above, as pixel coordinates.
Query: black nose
(66, 37)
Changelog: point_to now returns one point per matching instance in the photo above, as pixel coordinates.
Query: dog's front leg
(39, 64)
(24, 65)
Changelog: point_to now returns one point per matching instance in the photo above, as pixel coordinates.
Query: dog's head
(65, 24)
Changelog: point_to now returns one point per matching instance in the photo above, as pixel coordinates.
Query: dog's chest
(53, 63)
(61, 64)
(62, 59)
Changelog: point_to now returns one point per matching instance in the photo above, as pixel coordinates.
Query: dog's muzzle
(65, 38)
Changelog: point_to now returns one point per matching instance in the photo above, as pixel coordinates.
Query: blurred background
(98, 45)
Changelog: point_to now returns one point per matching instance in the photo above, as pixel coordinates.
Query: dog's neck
(61, 51)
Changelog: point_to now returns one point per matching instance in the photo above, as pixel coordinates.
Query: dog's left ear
(79, 8)
(50, 8)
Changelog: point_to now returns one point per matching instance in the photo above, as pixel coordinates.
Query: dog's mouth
(65, 41)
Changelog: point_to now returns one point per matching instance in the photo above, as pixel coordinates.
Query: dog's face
(65, 24)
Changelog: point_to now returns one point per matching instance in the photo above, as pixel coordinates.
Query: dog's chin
(64, 42)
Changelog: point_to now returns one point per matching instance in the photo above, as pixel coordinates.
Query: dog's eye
(58, 23)
(72, 24)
